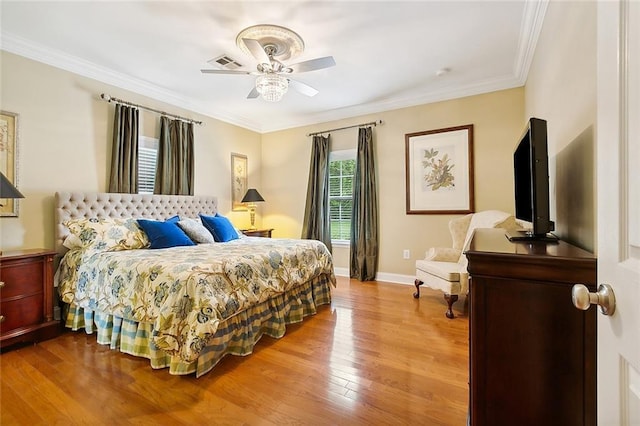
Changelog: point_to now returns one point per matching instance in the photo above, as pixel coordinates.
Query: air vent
(225, 62)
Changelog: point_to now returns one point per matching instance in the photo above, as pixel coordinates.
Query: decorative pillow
(108, 234)
(165, 234)
(220, 227)
(196, 231)
(239, 232)
(174, 219)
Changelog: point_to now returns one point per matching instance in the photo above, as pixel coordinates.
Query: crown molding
(486, 86)
(532, 22)
(20, 46)
(531, 27)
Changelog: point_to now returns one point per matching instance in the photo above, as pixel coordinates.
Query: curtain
(364, 217)
(174, 170)
(124, 151)
(316, 212)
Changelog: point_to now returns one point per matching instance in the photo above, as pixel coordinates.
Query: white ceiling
(387, 52)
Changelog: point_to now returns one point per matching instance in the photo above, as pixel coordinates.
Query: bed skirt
(236, 335)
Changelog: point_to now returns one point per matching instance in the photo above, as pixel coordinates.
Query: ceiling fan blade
(257, 50)
(253, 94)
(303, 88)
(313, 64)
(226, 72)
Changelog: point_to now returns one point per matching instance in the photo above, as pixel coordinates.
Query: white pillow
(196, 230)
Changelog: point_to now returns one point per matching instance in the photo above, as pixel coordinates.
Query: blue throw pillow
(174, 219)
(220, 227)
(165, 234)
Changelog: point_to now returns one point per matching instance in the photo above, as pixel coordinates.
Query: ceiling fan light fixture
(272, 87)
(286, 44)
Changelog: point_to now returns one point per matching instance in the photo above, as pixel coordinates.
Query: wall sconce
(252, 197)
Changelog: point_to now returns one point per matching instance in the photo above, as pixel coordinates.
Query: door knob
(604, 298)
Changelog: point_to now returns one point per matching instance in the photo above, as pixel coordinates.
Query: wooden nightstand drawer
(21, 312)
(26, 297)
(21, 278)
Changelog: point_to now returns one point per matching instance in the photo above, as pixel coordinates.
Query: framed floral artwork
(439, 171)
(9, 159)
(238, 181)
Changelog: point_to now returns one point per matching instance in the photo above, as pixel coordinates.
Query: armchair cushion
(437, 282)
(449, 271)
(442, 254)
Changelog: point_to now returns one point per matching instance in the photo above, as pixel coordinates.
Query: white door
(618, 160)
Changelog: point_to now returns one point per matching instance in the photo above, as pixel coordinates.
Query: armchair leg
(417, 283)
(451, 299)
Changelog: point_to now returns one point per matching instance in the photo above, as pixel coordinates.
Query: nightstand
(265, 233)
(26, 296)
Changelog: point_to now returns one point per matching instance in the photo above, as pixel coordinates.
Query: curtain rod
(120, 101)
(374, 123)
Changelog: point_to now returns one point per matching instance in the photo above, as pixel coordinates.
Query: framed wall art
(9, 159)
(238, 181)
(439, 171)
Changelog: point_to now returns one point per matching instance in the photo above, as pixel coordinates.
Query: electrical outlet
(406, 254)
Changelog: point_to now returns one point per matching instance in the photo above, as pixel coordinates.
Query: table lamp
(251, 197)
(7, 190)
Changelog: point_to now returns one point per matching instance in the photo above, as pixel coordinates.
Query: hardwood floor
(375, 356)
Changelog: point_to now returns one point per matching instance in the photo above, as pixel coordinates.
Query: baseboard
(395, 278)
(382, 276)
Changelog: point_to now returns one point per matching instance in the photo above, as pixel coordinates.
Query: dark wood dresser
(532, 353)
(26, 296)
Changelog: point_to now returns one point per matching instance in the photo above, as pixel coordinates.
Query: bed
(183, 308)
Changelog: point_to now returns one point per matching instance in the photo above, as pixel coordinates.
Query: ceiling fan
(270, 45)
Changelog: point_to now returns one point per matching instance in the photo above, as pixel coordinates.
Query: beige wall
(65, 145)
(498, 122)
(561, 88)
(65, 134)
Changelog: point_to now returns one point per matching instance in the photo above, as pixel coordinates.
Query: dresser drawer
(21, 312)
(21, 278)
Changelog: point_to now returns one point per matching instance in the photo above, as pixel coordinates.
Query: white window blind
(342, 167)
(147, 160)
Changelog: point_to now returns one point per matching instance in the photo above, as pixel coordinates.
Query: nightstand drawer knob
(2, 318)
(1, 284)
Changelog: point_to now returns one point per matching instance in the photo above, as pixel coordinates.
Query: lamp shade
(7, 190)
(251, 196)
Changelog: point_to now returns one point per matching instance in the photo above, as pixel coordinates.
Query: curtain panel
(124, 151)
(174, 170)
(316, 224)
(364, 216)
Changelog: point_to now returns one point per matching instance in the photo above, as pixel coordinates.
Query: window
(147, 160)
(342, 168)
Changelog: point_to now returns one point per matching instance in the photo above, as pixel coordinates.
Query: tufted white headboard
(75, 205)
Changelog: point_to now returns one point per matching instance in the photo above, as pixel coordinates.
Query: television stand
(532, 356)
(528, 236)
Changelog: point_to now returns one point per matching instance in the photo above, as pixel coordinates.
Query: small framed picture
(238, 181)
(9, 159)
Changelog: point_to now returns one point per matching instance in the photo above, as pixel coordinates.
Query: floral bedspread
(186, 291)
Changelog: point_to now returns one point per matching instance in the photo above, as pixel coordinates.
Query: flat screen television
(531, 179)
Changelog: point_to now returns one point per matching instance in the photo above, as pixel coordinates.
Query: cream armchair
(445, 269)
